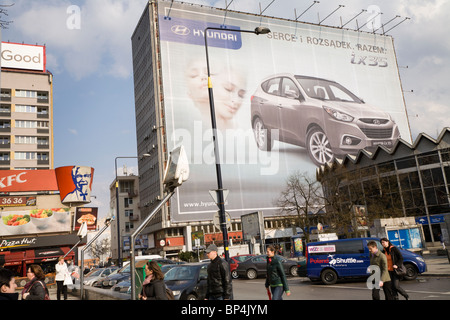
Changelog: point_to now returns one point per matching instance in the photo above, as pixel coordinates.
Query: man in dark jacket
(219, 276)
(7, 285)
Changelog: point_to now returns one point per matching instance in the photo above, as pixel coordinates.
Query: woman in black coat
(36, 288)
(395, 259)
(153, 287)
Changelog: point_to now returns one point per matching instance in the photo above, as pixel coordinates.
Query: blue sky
(94, 118)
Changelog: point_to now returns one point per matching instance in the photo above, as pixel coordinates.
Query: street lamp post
(220, 197)
(119, 253)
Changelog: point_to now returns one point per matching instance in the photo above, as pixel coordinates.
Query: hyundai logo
(180, 30)
(376, 121)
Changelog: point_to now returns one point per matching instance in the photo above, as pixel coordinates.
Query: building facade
(26, 113)
(406, 181)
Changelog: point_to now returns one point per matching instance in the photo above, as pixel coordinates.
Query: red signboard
(27, 180)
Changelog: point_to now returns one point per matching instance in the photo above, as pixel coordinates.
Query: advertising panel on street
(286, 101)
(88, 215)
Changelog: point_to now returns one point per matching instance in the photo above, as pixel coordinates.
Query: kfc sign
(74, 183)
(23, 56)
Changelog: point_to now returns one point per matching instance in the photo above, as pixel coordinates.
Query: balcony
(134, 217)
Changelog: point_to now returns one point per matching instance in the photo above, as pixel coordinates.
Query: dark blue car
(329, 261)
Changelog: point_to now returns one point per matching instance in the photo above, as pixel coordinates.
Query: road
(423, 288)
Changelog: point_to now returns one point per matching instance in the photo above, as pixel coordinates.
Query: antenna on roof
(363, 10)
(226, 10)
(262, 11)
(370, 20)
(382, 26)
(396, 25)
(340, 6)
(168, 14)
(295, 11)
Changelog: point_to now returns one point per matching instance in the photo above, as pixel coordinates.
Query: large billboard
(286, 101)
(23, 56)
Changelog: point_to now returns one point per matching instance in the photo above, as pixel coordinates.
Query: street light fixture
(220, 198)
(119, 252)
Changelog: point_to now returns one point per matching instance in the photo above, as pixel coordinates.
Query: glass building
(405, 181)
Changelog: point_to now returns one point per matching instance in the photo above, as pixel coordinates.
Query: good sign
(20, 56)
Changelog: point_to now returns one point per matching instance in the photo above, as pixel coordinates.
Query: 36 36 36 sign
(17, 201)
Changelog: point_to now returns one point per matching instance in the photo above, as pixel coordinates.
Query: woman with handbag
(395, 267)
(62, 278)
(35, 289)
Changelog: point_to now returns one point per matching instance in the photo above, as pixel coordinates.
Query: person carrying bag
(395, 267)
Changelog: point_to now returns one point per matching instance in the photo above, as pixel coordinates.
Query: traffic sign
(215, 194)
(216, 220)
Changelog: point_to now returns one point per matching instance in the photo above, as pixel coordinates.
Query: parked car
(257, 266)
(234, 261)
(318, 114)
(188, 281)
(301, 267)
(329, 261)
(114, 278)
(123, 283)
(98, 275)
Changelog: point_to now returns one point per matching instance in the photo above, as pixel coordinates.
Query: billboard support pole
(132, 242)
(220, 196)
(107, 224)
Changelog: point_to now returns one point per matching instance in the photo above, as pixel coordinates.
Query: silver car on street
(320, 115)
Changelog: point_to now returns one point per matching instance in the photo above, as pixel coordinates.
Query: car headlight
(176, 292)
(338, 115)
(420, 259)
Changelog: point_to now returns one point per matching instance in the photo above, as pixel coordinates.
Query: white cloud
(101, 45)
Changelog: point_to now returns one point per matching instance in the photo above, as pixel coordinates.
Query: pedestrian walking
(377, 258)
(36, 288)
(441, 240)
(395, 263)
(276, 278)
(62, 278)
(153, 287)
(219, 285)
(8, 285)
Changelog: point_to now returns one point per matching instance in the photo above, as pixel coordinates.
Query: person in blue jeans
(276, 278)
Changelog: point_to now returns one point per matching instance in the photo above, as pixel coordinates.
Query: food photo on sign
(88, 215)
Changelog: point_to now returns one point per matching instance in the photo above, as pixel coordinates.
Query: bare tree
(302, 199)
(4, 12)
(100, 248)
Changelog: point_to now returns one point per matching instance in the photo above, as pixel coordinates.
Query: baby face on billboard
(229, 92)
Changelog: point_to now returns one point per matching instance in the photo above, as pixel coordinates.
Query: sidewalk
(436, 265)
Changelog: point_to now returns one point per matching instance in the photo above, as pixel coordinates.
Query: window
(349, 247)
(27, 109)
(42, 141)
(5, 124)
(31, 124)
(26, 140)
(4, 108)
(42, 156)
(4, 156)
(26, 155)
(272, 86)
(4, 140)
(289, 89)
(26, 94)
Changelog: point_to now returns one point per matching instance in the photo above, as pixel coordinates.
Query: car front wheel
(319, 148)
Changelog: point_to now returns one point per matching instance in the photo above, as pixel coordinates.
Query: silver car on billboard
(320, 115)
